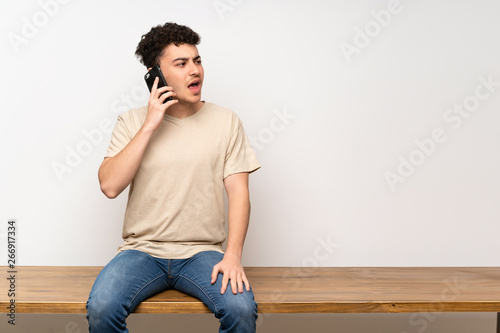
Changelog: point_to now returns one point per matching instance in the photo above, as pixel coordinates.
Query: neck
(182, 110)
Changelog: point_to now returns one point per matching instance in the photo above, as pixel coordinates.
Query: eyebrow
(186, 59)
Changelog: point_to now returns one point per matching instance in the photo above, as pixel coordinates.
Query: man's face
(181, 66)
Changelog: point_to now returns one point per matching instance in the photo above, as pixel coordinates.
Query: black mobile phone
(150, 79)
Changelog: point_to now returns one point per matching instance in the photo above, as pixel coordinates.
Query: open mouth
(195, 87)
(194, 84)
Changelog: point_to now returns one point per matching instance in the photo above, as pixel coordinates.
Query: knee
(103, 313)
(239, 311)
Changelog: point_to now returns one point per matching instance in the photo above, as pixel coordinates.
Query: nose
(194, 69)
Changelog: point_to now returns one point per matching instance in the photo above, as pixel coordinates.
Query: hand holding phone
(150, 79)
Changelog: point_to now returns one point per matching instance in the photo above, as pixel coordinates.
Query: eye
(181, 64)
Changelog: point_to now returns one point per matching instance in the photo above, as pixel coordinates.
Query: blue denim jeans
(132, 276)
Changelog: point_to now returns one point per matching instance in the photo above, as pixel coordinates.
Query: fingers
(231, 276)
(157, 105)
(154, 89)
(236, 280)
(166, 95)
(234, 285)
(215, 272)
(225, 280)
(247, 284)
(160, 94)
(241, 280)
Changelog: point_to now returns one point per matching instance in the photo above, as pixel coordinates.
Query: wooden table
(65, 289)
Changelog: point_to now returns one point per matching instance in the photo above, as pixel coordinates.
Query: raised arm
(117, 172)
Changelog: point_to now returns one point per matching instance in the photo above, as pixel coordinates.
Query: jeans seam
(203, 291)
(147, 284)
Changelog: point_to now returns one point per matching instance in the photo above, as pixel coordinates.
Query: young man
(177, 157)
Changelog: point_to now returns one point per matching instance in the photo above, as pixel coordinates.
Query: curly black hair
(150, 48)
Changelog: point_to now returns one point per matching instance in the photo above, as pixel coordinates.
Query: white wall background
(355, 85)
